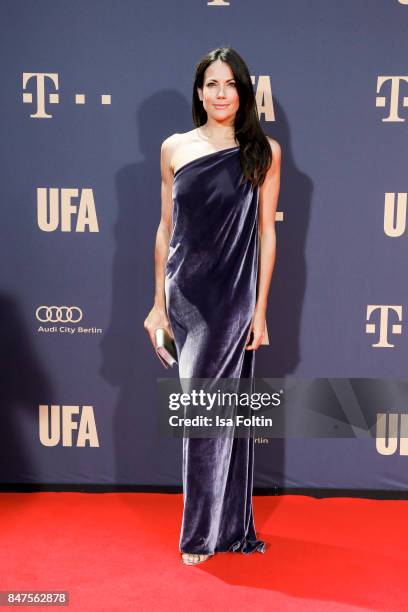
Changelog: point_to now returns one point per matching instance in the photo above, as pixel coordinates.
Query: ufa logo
(395, 216)
(394, 97)
(55, 210)
(57, 424)
(384, 311)
(397, 427)
(51, 78)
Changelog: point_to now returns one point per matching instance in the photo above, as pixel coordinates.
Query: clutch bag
(165, 347)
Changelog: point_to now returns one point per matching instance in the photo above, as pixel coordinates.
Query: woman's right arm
(157, 316)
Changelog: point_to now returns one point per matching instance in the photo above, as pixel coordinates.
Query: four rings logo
(58, 314)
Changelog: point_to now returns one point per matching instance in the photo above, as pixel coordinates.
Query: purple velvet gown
(210, 287)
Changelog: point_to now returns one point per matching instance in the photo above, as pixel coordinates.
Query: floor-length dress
(210, 286)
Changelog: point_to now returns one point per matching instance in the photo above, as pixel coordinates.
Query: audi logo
(58, 314)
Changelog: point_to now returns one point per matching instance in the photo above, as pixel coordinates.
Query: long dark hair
(255, 150)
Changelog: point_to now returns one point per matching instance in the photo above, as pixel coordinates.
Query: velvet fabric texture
(211, 288)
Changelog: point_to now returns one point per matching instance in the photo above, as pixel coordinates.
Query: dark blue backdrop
(89, 91)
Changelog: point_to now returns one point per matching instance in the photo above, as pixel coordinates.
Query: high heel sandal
(193, 558)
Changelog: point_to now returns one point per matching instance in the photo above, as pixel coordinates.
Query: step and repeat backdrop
(90, 89)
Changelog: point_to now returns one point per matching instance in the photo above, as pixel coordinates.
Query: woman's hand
(258, 326)
(156, 318)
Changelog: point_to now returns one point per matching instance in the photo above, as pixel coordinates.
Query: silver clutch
(165, 347)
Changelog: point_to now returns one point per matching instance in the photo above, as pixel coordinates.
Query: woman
(220, 186)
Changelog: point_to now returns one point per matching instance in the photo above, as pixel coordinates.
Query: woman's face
(219, 93)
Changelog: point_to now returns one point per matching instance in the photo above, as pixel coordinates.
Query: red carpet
(119, 551)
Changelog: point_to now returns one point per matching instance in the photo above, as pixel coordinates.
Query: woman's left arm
(268, 203)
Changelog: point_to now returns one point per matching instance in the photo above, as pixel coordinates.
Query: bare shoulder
(174, 140)
(173, 144)
(274, 168)
(169, 144)
(275, 147)
(269, 191)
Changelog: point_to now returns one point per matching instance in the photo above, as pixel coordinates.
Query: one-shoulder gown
(210, 287)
